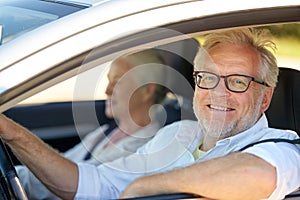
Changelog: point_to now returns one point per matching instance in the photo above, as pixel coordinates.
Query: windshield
(18, 16)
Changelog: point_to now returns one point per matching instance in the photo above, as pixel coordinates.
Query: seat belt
(111, 126)
(276, 140)
(295, 142)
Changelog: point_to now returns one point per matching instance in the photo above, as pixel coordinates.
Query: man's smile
(220, 108)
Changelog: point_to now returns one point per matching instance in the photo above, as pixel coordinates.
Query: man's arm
(57, 173)
(236, 176)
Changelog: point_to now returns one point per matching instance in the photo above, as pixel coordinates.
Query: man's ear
(149, 91)
(267, 99)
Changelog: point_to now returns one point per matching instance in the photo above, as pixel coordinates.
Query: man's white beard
(220, 129)
(216, 128)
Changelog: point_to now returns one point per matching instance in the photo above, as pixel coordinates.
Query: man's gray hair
(260, 39)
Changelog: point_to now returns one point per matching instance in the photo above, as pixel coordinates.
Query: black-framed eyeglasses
(234, 82)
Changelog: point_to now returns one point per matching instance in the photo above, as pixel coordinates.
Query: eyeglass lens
(236, 83)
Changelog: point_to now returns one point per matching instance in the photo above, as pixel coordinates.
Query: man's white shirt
(173, 147)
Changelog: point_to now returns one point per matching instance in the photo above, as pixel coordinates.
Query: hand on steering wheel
(11, 187)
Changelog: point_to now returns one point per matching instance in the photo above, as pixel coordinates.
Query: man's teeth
(219, 108)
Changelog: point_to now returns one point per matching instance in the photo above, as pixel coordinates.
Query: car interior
(45, 120)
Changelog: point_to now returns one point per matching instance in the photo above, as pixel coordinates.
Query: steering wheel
(11, 187)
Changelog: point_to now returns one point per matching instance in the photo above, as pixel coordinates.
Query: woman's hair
(259, 39)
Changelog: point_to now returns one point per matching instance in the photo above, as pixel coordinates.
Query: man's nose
(109, 89)
(221, 88)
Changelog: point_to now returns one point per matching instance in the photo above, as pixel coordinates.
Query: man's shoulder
(279, 133)
(182, 127)
(183, 123)
(181, 131)
(172, 131)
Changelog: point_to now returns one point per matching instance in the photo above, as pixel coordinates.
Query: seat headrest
(180, 56)
(284, 111)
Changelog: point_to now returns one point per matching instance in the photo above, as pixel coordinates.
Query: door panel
(54, 122)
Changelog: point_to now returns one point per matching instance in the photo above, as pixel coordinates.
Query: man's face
(223, 113)
(123, 94)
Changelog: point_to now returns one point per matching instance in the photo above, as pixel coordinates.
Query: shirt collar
(259, 125)
(147, 131)
(238, 141)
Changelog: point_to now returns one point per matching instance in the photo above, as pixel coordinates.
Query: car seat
(179, 56)
(284, 111)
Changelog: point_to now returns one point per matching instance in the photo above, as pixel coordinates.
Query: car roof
(101, 14)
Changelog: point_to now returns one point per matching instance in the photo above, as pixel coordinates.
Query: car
(52, 75)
